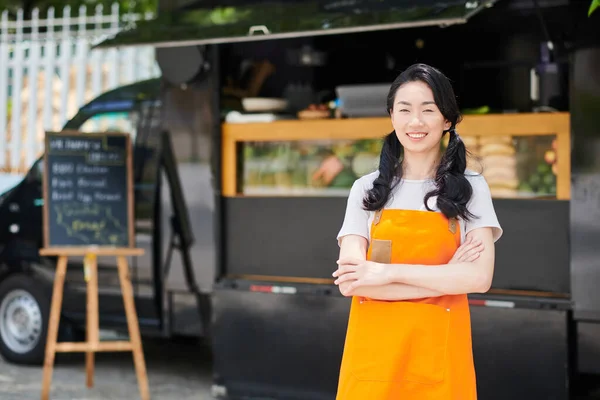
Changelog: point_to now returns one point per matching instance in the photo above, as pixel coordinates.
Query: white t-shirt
(409, 195)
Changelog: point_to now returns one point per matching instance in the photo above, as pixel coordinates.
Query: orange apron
(414, 349)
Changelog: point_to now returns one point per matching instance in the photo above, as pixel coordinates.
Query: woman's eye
(404, 110)
(429, 110)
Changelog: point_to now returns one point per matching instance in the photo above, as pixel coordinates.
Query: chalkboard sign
(88, 197)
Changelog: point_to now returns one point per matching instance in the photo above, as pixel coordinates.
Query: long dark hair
(452, 188)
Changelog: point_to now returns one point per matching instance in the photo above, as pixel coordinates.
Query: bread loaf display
(499, 162)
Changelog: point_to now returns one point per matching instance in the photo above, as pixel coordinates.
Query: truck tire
(24, 312)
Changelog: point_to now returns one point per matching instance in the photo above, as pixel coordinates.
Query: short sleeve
(482, 207)
(356, 219)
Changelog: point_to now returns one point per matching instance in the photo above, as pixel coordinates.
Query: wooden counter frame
(522, 124)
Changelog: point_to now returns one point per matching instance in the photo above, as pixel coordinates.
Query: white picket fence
(48, 71)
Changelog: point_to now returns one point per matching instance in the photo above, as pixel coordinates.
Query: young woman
(417, 236)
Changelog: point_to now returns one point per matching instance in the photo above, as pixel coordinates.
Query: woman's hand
(468, 251)
(359, 273)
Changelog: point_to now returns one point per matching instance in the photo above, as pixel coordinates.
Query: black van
(166, 296)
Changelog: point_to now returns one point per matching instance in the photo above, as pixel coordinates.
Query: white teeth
(416, 135)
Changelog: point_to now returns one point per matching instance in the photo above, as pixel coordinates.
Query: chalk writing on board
(90, 223)
(87, 190)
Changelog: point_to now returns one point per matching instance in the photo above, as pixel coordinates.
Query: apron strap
(452, 225)
(377, 217)
(452, 222)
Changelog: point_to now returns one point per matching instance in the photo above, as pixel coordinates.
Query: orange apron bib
(414, 349)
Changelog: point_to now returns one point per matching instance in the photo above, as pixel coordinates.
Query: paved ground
(176, 371)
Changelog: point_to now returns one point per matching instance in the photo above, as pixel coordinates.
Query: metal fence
(48, 71)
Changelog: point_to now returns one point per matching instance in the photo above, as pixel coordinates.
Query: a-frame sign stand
(93, 344)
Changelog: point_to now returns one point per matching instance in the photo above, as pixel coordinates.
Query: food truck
(246, 148)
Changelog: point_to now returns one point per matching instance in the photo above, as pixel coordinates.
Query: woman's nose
(415, 121)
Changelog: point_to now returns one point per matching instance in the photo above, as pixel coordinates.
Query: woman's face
(417, 120)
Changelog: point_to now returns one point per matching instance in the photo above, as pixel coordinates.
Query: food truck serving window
(206, 22)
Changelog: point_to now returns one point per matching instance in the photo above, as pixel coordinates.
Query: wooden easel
(93, 344)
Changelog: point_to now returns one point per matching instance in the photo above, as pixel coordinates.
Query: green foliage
(595, 4)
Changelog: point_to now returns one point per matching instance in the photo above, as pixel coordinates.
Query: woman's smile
(416, 136)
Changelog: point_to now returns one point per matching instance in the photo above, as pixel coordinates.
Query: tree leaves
(595, 4)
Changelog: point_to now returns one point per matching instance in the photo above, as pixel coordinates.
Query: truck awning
(242, 21)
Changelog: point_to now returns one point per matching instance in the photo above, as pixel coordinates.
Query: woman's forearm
(456, 278)
(392, 291)
(353, 246)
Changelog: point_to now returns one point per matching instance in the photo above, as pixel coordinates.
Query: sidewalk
(176, 371)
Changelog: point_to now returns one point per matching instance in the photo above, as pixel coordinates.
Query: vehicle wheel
(24, 312)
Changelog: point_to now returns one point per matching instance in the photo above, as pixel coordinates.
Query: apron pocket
(381, 251)
(400, 341)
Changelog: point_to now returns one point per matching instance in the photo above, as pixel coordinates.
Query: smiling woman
(418, 236)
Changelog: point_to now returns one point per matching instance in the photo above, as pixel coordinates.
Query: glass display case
(521, 156)
(514, 167)
(321, 167)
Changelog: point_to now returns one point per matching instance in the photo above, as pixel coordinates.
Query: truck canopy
(204, 22)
